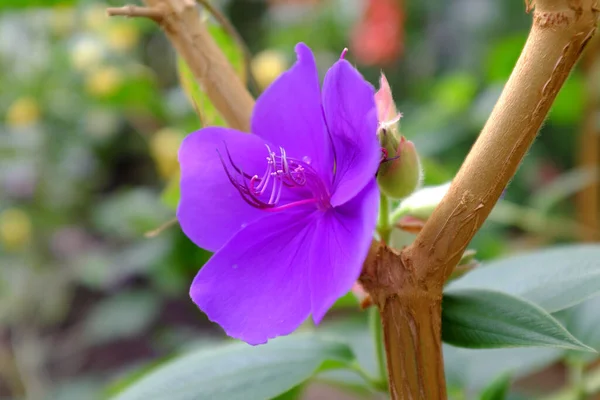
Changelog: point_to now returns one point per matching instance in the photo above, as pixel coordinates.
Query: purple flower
(290, 210)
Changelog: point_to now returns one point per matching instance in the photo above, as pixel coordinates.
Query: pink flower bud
(400, 170)
(387, 114)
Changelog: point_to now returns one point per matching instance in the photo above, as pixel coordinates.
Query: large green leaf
(472, 370)
(554, 279)
(239, 371)
(583, 321)
(476, 318)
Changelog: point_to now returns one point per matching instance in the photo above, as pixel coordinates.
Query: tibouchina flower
(290, 210)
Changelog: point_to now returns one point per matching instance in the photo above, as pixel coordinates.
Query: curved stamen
(282, 172)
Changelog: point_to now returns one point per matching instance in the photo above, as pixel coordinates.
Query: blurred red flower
(378, 38)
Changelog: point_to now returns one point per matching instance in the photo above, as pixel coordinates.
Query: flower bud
(400, 174)
(400, 171)
(421, 203)
(387, 114)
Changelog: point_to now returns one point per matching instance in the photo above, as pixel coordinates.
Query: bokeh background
(94, 275)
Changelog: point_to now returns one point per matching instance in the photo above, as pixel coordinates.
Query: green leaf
(132, 375)
(8, 4)
(498, 389)
(486, 319)
(207, 112)
(473, 369)
(240, 371)
(554, 279)
(293, 394)
(583, 321)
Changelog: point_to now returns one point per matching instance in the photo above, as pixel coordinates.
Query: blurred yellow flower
(95, 18)
(122, 37)
(267, 66)
(86, 53)
(164, 146)
(62, 20)
(15, 229)
(103, 81)
(24, 111)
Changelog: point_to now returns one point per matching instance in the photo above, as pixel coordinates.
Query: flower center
(284, 177)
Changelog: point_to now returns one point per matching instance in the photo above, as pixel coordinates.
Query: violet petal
(349, 106)
(289, 114)
(256, 287)
(211, 209)
(344, 236)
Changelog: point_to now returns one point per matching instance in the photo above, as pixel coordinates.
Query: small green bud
(421, 203)
(400, 173)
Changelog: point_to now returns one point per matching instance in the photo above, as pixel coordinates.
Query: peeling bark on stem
(411, 318)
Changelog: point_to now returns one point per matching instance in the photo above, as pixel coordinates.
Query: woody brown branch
(407, 287)
(561, 29)
(136, 11)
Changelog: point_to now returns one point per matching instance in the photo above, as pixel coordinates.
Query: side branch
(136, 11)
(180, 19)
(561, 30)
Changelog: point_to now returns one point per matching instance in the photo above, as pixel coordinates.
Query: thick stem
(560, 31)
(411, 318)
(407, 288)
(411, 329)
